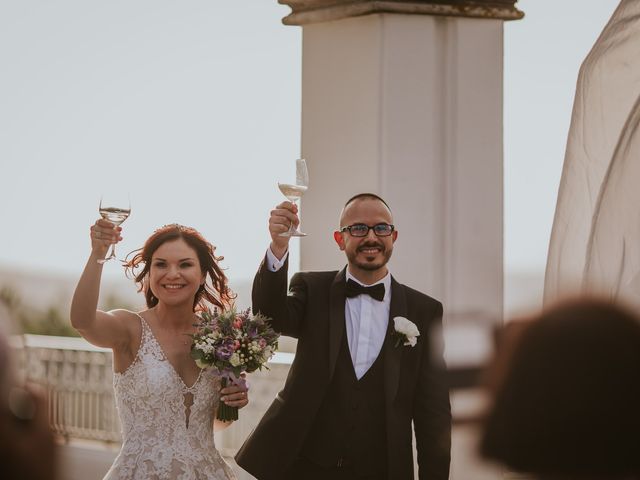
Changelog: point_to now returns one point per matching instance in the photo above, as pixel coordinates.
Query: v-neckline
(173, 369)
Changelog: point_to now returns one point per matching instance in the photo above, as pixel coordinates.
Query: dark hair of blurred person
(567, 394)
(27, 448)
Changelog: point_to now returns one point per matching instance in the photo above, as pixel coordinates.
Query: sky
(193, 108)
(543, 53)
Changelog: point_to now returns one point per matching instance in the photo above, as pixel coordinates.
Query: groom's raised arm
(269, 294)
(269, 297)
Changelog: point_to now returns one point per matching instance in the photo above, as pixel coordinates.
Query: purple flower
(224, 352)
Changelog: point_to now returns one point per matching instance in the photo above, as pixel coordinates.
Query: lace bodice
(167, 427)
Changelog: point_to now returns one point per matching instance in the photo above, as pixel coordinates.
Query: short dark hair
(371, 196)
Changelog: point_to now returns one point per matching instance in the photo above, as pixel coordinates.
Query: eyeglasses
(362, 230)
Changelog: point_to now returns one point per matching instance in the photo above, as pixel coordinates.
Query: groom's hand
(280, 220)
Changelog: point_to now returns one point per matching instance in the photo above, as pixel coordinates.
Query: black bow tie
(354, 289)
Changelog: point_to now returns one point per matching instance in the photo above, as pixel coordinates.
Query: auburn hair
(215, 290)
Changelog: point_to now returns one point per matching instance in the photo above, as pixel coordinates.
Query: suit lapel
(393, 354)
(336, 318)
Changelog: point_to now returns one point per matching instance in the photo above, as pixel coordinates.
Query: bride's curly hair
(214, 291)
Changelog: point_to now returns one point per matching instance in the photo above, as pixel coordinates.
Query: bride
(166, 404)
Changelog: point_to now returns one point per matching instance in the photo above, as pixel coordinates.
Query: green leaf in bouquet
(197, 354)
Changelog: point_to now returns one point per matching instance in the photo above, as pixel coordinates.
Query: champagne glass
(294, 191)
(116, 209)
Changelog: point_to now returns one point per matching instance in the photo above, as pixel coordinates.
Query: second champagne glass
(293, 192)
(115, 209)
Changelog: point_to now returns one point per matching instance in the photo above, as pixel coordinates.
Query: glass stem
(297, 229)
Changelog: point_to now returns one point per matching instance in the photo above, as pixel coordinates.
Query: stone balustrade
(78, 378)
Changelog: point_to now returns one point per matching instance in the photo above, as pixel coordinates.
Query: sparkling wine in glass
(293, 192)
(115, 215)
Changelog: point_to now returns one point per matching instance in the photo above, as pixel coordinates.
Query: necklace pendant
(188, 402)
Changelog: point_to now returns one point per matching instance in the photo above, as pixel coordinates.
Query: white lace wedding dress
(167, 427)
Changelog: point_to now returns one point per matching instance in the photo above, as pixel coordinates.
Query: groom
(356, 384)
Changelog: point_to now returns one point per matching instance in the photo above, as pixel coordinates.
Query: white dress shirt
(272, 261)
(366, 320)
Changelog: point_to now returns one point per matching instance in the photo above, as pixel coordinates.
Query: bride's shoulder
(123, 314)
(131, 321)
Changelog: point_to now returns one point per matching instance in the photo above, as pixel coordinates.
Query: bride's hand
(103, 235)
(235, 395)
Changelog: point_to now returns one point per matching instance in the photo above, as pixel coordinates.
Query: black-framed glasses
(362, 230)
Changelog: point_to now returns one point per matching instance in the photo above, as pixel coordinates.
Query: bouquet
(233, 342)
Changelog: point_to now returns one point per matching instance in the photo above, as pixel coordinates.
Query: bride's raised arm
(103, 329)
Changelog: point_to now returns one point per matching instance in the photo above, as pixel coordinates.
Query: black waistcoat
(350, 427)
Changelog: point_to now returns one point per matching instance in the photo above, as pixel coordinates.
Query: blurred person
(27, 449)
(566, 388)
(368, 362)
(167, 405)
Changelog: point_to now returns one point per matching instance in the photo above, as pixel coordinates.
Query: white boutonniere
(405, 331)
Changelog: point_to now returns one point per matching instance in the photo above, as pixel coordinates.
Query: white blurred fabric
(595, 240)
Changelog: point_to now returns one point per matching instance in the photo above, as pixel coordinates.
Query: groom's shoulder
(316, 278)
(328, 275)
(421, 297)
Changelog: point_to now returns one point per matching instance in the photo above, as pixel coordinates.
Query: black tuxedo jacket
(415, 385)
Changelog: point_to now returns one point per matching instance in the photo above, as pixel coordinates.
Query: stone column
(404, 99)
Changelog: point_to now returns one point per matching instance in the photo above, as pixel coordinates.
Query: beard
(370, 263)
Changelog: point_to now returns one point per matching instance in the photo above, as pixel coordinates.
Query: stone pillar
(404, 99)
